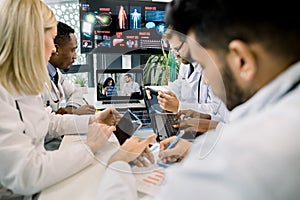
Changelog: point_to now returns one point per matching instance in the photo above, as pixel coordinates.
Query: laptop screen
(119, 84)
(161, 120)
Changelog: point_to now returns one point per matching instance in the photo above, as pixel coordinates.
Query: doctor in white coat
(60, 88)
(190, 90)
(257, 154)
(26, 167)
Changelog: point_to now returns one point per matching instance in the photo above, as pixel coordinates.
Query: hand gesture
(109, 116)
(168, 101)
(84, 110)
(175, 154)
(196, 125)
(97, 135)
(132, 149)
(192, 114)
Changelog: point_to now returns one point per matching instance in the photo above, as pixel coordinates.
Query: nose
(74, 56)
(53, 50)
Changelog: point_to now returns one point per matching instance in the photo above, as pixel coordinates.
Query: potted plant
(160, 69)
(80, 82)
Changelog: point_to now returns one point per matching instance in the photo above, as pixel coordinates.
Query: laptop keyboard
(169, 122)
(143, 115)
(120, 101)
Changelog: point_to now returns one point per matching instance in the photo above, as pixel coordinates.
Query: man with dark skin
(62, 59)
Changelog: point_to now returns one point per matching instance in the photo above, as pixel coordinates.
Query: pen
(178, 136)
(85, 101)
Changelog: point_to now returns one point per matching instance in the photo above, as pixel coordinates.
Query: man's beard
(234, 94)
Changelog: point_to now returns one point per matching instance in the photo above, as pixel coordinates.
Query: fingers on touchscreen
(153, 92)
(127, 126)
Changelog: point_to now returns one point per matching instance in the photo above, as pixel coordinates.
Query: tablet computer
(127, 126)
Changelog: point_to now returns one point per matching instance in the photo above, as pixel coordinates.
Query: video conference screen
(121, 26)
(119, 84)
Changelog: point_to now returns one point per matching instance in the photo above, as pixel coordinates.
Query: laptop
(161, 120)
(119, 88)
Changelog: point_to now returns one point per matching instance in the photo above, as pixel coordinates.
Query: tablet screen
(127, 126)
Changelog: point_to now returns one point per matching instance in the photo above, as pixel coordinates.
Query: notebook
(161, 120)
(119, 88)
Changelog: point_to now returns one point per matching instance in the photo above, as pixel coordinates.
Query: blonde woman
(26, 167)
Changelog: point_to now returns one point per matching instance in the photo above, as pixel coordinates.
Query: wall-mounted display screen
(121, 26)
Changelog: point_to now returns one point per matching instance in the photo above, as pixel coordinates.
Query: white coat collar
(269, 94)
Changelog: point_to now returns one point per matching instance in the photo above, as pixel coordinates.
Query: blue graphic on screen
(154, 15)
(135, 17)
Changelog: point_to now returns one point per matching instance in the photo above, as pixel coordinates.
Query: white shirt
(26, 167)
(64, 91)
(256, 156)
(129, 88)
(193, 93)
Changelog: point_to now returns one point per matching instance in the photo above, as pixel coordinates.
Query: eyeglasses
(177, 50)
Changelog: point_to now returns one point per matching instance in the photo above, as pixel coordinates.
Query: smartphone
(153, 91)
(127, 126)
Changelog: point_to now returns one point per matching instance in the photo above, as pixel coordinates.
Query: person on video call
(130, 86)
(109, 88)
(257, 55)
(61, 89)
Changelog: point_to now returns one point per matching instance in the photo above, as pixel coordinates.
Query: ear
(57, 48)
(243, 59)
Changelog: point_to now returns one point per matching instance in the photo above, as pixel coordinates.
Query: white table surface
(83, 185)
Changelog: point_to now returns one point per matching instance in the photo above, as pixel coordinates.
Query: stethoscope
(56, 91)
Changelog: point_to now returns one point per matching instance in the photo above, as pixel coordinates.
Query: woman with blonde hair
(26, 167)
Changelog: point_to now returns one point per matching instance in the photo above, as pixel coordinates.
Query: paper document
(149, 179)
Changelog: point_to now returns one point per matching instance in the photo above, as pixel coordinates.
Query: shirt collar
(269, 94)
(51, 70)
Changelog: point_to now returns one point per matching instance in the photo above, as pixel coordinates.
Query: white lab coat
(26, 167)
(256, 156)
(64, 91)
(187, 91)
(66, 124)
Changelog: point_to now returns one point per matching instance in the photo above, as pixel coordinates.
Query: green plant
(80, 81)
(160, 69)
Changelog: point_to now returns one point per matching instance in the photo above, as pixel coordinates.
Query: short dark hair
(128, 75)
(217, 22)
(63, 33)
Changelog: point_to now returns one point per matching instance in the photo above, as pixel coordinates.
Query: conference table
(84, 184)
